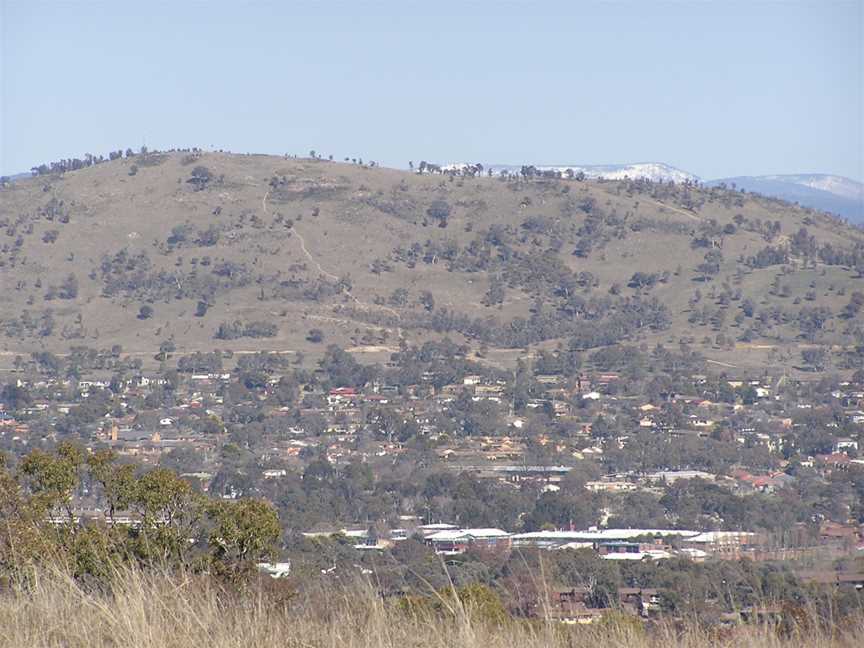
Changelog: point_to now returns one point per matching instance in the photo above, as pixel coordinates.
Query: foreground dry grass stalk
(161, 612)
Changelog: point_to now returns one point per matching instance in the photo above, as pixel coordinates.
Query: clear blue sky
(716, 88)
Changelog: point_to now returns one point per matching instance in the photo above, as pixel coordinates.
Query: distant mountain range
(18, 176)
(654, 171)
(831, 193)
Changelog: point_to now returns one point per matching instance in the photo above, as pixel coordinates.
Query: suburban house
(457, 541)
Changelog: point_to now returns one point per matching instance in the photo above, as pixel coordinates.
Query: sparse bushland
(520, 260)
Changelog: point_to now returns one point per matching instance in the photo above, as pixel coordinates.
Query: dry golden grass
(151, 611)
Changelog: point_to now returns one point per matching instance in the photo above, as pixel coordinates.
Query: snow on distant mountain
(834, 184)
(654, 171)
(830, 193)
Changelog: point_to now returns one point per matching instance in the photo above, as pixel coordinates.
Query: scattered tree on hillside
(200, 177)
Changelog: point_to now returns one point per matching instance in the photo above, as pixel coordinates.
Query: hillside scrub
(523, 259)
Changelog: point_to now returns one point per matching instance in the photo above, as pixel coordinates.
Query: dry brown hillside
(251, 252)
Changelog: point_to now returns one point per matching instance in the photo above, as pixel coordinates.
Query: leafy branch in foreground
(151, 518)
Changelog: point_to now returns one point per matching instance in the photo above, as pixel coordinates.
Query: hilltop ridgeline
(189, 251)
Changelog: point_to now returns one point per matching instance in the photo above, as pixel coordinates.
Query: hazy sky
(716, 88)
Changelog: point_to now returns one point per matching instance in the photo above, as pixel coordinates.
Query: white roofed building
(456, 541)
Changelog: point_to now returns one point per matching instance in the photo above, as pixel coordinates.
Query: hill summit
(199, 251)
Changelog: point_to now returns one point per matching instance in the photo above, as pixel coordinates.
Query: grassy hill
(251, 252)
